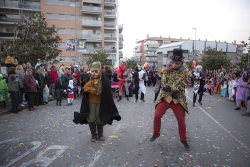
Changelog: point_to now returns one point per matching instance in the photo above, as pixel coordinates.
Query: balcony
(13, 19)
(151, 54)
(91, 9)
(92, 37)
(120, 54)
(110, 50)
(121, 36)
(120, 45)
(110, 39)
(93, 1)
(110, 3)
(151, 60)
(6, 35)
(23, 6)
(138, 50)
(120, 28)
(92, 50)
(91, 23)
(151, 44)
(150, 49)
(109, 14)
(109, 26)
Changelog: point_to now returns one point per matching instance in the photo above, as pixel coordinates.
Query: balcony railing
(110, 1)
(92, 50)
(92, 36)
(120, 28)
(151, 49)
(93, 1)
(151, 54)
(110, 38)
(6, 34)
(10, 19)
(91, 9)
(120, 54)
(110, 50)
(107, 25)
(92, 23)
(120, 45)
(20, 5)
(121, 36)
(152, 60)
(109, 12)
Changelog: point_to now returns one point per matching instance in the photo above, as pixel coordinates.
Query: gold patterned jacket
(177, 81)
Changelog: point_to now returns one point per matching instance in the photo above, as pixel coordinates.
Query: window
(49, 16)
(60, 2)
(8, 30)
(61, 31)
(61, 17)
(72, 17)
(48, 1)
(73, 31)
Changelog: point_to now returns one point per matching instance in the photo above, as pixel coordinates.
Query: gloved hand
(174, 96)
(167, 89)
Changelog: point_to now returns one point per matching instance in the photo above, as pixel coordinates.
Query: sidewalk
(8, 107)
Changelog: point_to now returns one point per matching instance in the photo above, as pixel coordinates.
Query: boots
(92, 127)
(120, 98)
(127, 98)
(60, 102)
(57, 102)
(100, 131)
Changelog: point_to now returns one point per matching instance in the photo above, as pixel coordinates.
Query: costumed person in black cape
(174, 81)
(98, 107)
(199, 83)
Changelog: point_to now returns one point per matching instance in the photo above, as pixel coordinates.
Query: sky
(224, 20)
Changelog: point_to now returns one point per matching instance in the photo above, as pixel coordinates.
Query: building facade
(145, 49)
(92, 23)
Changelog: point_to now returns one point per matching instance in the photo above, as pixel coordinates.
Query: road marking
(99, 153)
(230, 134)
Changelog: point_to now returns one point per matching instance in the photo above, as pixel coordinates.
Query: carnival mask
(94, 74)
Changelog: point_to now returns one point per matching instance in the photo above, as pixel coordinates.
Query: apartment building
(145, 49)
(94, 21)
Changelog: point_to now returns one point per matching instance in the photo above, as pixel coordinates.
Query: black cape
(108, 111)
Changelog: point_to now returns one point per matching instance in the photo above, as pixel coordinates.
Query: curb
(5, 110)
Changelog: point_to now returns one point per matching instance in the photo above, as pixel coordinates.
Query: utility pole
(76, 59)
(194, 40)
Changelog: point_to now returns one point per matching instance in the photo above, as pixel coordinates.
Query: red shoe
(31, 109)
(245, 114)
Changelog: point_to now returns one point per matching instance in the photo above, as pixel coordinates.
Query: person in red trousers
(173, 83)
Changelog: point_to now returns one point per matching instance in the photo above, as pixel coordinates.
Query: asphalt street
(218, 135)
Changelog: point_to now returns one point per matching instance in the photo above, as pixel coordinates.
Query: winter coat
(108, 111)
(4, 89)
(13, 82)
(30, 83)
(65, 80)
(54, 75)
(41, 81)
(20, 74)
(58, 91)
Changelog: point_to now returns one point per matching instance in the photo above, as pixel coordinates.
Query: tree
(131, 64)
(245, 58)
(214, 59)
(100, 56)
(33, 40)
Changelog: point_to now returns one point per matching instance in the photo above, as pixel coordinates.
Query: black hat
(177, 55)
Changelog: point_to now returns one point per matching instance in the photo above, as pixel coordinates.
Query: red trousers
(179, 113)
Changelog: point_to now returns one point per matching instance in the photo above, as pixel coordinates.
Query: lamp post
(76, 60)
(194, 40)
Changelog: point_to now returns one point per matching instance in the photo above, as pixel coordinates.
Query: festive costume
(243, 90)
(198, 77)
(223, 90)
(98, 107)
(142, 87)
(124, 81)
(70, 91)
(174, 82)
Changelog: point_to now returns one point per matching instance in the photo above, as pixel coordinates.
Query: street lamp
(194, 40)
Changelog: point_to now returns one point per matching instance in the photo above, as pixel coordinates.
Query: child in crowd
(46, 94)
(223, 89)
(58, 92)
(208, 87)
(230, 89)
(70, 93)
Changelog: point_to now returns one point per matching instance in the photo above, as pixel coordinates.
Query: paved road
(218, 135)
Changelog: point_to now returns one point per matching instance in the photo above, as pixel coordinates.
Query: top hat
(177, 55)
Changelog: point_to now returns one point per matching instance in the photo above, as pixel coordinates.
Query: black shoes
(136, 100)
(193, 104)
(127, 99)
(153, 138)
(200, 103)
(143, 100)
(185, 144)
(237, 108)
